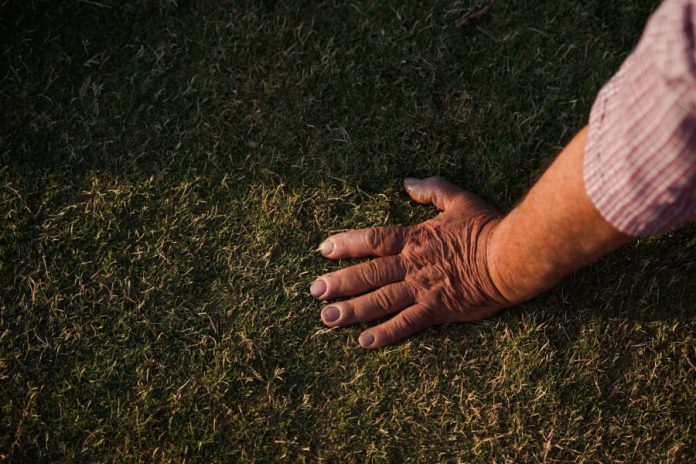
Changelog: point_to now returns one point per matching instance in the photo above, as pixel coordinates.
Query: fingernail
(410, 183)
(326, 247)
(318, 288)
(366, 340)
(330, 314)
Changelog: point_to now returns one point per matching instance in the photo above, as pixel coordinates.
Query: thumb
(436, 190)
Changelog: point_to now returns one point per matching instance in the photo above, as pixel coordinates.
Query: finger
(360, 278)
(386, 300)
(409, 321)
(375, 241)
(433, 190)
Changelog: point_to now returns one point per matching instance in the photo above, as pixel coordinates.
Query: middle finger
(360, 278)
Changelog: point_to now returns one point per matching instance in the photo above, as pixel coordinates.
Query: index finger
(375, 241)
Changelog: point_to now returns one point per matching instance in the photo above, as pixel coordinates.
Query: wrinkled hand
(427, 274)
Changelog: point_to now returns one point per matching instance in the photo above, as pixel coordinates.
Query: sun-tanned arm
(468, 262)
(553, 232)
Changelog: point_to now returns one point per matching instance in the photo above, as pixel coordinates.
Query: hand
(427, 274)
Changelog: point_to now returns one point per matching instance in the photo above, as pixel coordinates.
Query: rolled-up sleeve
(640, 156)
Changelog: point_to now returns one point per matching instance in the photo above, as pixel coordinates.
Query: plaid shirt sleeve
(640, 156)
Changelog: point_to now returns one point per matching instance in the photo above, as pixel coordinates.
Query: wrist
(511, 283)
(498, 287)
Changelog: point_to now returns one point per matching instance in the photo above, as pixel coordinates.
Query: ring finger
(383, 301)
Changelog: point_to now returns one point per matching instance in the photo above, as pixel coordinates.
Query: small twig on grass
(470, 18)
(93, 3)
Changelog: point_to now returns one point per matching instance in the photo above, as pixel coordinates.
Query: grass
(168, 169)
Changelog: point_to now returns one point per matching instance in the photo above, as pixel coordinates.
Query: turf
(167, 171)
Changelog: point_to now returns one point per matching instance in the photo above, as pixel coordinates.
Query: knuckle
(372, 273)
(392, 332)
(411, 291)
(373, 238)
(408, 266)
(407, 323)
(382, 299)
(420, 282)
(347, 312)
(435, 181)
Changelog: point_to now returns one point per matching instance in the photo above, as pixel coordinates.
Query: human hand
(428, 274)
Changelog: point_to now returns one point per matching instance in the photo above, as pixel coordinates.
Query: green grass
(167, 171)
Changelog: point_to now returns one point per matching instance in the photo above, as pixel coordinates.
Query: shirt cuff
(640, 156)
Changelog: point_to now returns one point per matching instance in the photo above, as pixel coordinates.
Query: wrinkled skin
(427, 274)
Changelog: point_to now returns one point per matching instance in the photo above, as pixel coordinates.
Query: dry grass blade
(472, 17)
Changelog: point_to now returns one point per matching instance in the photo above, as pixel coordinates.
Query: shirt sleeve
(640, 156)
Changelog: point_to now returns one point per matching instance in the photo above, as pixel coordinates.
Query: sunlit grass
(168, 170)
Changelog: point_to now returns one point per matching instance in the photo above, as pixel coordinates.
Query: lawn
(167, 171)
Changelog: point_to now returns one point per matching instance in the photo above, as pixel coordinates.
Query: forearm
(553, 232)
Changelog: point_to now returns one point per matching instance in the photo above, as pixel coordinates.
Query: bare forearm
(553, 232)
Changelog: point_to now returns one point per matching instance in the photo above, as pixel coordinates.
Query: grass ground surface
(167, 171)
